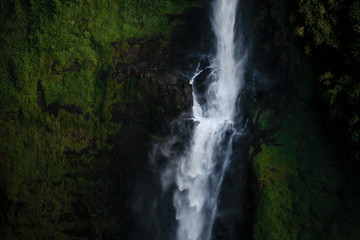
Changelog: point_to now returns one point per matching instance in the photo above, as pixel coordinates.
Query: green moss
(298, 181)
(299, 178)
(50, 161)
(266, 118)
(302, 178)
(46, 166)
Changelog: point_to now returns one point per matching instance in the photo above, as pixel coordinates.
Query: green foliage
(343, 96)
(144, 18)
(265, 119)
(299, 181)
(51, 185)
(52, 36)
(46, 171)
(307, 190)
(331, 38)
(319, 20)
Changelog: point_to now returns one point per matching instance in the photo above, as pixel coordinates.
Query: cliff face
(306, 172)
(86, 86)
(84, 91)
(155, 94)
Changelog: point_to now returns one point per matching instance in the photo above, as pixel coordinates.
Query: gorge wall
(305, 164)
(86, 87)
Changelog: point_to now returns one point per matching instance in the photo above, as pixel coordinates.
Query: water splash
(198, 173)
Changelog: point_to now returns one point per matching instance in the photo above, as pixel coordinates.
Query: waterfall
(198, 172)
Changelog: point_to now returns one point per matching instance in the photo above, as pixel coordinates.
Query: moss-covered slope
(58, 89)
(304, 156)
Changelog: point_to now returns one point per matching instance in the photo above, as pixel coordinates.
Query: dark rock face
(156, 90)
(169, 92)
(173, 91)
(154, 94)
(157, 95)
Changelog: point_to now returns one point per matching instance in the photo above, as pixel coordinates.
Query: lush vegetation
(303, 193)
(56, 93)
(57, 90)
(330, 34)
(66, 44)
(307, 162)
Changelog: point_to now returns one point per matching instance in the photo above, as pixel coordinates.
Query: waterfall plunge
(199, 171)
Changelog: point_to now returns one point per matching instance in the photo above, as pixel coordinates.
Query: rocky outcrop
(164, 96)
(154, 94)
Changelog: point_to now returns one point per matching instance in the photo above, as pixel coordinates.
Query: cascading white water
(199, 172)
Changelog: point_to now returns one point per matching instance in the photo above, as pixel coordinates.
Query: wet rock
(156, 93)
(201, 85)
(171, 91)
(165, 96)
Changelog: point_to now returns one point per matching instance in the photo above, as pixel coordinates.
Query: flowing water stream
(199, 171)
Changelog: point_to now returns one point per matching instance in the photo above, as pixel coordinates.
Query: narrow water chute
(200, 170)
